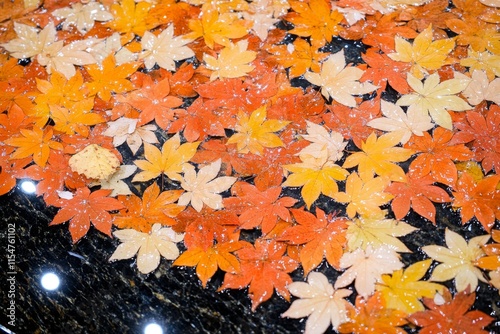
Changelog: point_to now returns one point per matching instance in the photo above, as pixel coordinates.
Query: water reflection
(28, 186)
(153, 328)
(50, 281)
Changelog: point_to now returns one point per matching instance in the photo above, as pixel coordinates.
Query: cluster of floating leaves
(320, 125)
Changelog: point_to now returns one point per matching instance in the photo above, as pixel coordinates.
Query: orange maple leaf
(109, 78)
(154, 207)
(263, 268)
(436, 155)
(452, 316)
(37, 143)
(322, 236)
(85, 208)
(259, 208)
(481, 199)
(419, 193)
(371, 316)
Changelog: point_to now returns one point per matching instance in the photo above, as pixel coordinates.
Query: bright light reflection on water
(28, 187)
(153, 328)
(50, 281)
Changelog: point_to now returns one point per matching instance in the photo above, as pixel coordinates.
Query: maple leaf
(352, 122)
(125, 130)
(154, 207)
(382, 70)
(338, 81)
(452, 315)
(372, 314)
(298, 57)
(491, 261)
(255, 132)
(320, 139)
(264, 15)
(404, 289)
(154, 100)
(160, 242)
(418, 192)
(30, 41)
(204, 187)
(481, 89)
(378, 156)
(129, 17)
(169, 161)
(208, 260)
(259, 208)
(483, 132)
(376, 231)
(320, 302)
(216, 27)
(435, 98)
(83, 208)
(232, 62)
(110, 78)
(482, 61)
(476, 33)
(115, 181)
(36, 143)
(263, 268)
(316, 176)
(82, 16)
(95, 162)
(479, 199)
(315, 20)
(77, 119)
(367, 267)
(396, 120)
(458, 260)
(322, 236)
(435, 155)
(365, 198)
(164, 49)
(9, 169)
(424, 54)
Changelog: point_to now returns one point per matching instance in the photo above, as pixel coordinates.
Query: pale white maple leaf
(320, 139)
(115, 181)
(164, 49)
(82, 16)
(367, 266)
(161, 242)
(30, 41)
(481, 89)
(458, 260)
(63, 58)
(112, 45)
(340, 82)
(377, 230)
(435, 98)
(320, 302)
(125, 130)
(261, 15)
(396, 120)
(204, 187)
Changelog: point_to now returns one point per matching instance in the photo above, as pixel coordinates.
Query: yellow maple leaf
(95, 162)
(316, 176)
(365, 198)
(378, 156)
(424, 54)
(255, 132)
(216, 28)
(482, 61)
(233, 61)
(404, 289)
(109, 78)
(75, 119)
(169, 161)
(129, 17)
(315, 20)
(37, 143)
